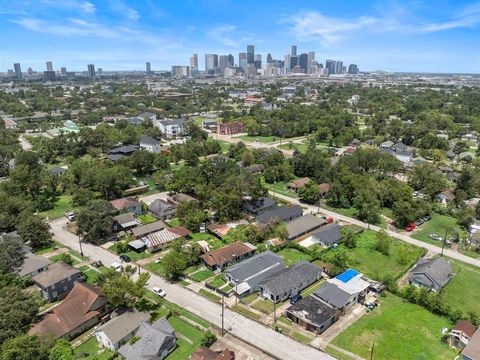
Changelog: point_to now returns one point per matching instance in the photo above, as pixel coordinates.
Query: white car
(70, 216)
(159, 291)
(116, 266)
(436, 237)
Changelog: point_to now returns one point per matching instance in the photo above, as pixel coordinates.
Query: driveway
(250, 331)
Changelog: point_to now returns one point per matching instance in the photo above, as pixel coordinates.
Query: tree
(339, 261)
(120, 290)
(465, 216)
(310, 192)
(208, 339)
(34, 231)
(61, 351)
(95, 222)
(66, 258)
(17, 311)
(11, 254)
(383, 243)
(424, 177)
(174, 264)
(404, 213)
(24, 347)
(368, 206)
(191, 215)
(349, 237)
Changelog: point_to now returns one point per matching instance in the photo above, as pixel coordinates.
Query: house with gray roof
(148, 116)
(432, 274)
(313, 314)
(150, 144)
(155, 342)
(328, 235)
(124, 222)
(162, 209)
(32, 265)
(120, 329)
(289, 282)
(281, 213)
(172, 128)
(256, 207)
(303, 225)
(335, 296)
(246, 275)
(57, 280)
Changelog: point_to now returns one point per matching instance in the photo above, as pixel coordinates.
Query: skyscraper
(223, 62)
(303, 61)
(293, 61)
(148, 68)
(194, 62)
(18, 71)
(293, 51)
(211, 61)
(330, 65)
(353, 69)
(339, 67)
(286, 61)
(269, 58)
(91, 70)
(49, 66)
(231, 60)
(311, 59)
(258, 61)
(250, 54)
(63, 70)
(241, 56)
(49, 76)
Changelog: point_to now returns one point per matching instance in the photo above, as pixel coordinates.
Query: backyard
(400, 331)
(279, 187)
(292, 256)
(89, 350)
(184, 349)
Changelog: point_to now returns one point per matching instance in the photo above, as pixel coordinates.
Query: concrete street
(431, 248)
(250, 331)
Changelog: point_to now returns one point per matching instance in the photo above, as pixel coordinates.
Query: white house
(172, 128)
(150, 144)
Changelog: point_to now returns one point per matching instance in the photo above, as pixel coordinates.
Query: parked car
(329, 220)
(427, 218)
(435, 237)
(410, 227)
(419, 222)
(125, 258)
(159, 291)
(295, 299)
(70, 215)
(116, 266)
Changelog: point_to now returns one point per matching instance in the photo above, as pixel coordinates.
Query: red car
(329, 220)
(410, 227)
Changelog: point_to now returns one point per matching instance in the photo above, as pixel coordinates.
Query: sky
(416, 36)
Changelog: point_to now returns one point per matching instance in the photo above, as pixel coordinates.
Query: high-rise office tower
(293, 51)
(63, 70)
(194, 62)
(49, 76)
(311, 59)
(353, 69)
(18, 71)
(231, 60)
(49, 66)
(91, 70)
(269, 58)
(148, 68)
(286, 62)
(293, 61)
(211, 61)
(330, 65)
(250, 54)
(339, 67)
(303, 61)
(223, 62)
(258, 61)
(241, 56)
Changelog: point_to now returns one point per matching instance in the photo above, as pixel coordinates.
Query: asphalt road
(431, 248)
(250, 331)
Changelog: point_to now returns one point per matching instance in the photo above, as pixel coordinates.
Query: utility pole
(444, 241)
(80, 243)
(223, 312)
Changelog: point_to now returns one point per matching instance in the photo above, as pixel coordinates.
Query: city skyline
(418, 36)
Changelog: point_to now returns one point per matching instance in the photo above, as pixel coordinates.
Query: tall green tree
(95, 222)
(11, 254)
(34, 230)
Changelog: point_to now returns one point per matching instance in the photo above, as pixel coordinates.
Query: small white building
(172, 128)
(150, 144)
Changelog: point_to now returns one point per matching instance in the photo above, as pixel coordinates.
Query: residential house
(120, 329)
(228, 255)
(144, 230)
(328, 235)
(386, 145)
(446, 197)
(296, 184)
(256, 207)
(148, 116)
(303, 225)
(135, 120)
(466, 156)
(281, 213)
(124, 222)
(10, 124)
(230, 128)
(313, 314)
(150, 144)
(432, 274)
(162, 209)
(32, 265)
(289, 282)
(246, 275)
(204, 353)
(155, 341)
(172, 128)
(59, 171)
(127, 204)
(256, 169)
(122, 152)
(57, 280)
(324, 189)
(179, 197)
(209, 125)
(472, 350)
(83, 308)
(161, 239)
(461, 334)
(344, 290)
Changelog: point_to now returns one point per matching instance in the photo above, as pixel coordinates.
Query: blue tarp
(347, 275)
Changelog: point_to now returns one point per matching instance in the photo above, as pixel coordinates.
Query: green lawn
(158, 269)
(173, 222)
(438, 225)
(262, 139)
(301, 337)
(366, 259)
(147, 218)
(264, 305)
(58, 257)
(201, 275)
(246, 312)
(91, 275)
(401, 331)
(218, 281)
(184, 349)
(292, 256)
(176, 167)
(91, 348)
(280, 187)
(249, 298)
(207, 294)
(133, 255)
(214, 242)
(48, 249)
(461, 292)
(63, 204)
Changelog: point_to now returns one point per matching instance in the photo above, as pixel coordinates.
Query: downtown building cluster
(50, 74)
(251, 64)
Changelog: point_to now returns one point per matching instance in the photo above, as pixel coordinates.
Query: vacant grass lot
(214, 242)
(147, 218)
(264, 305)
(89, 351)
(279, 187)
(401, 331)
(438, 225)
(63, 204)
(462, 292)
(158, 269)
(201, 275)
(292, 256)
(262, 139)
(184, 349)
(366, 259)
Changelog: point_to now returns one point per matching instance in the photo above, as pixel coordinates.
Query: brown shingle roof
(221, 256)
(324, 188)
(180, 231)
(124, 203)
(54, 274)
(77, 309)
(466, 327)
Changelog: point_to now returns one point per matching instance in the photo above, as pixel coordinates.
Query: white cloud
(123, 9)
(83, 6)
(223, 34)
